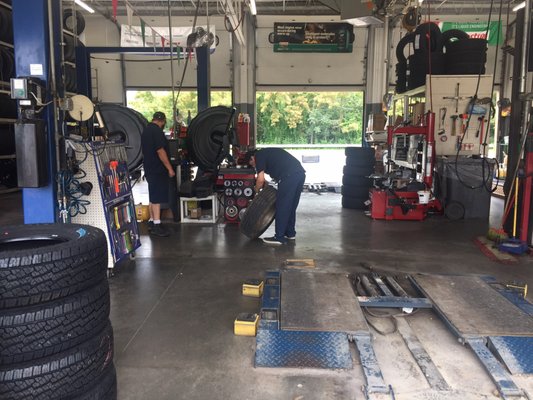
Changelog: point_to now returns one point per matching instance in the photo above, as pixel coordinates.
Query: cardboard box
(376, 122)
(195, 213)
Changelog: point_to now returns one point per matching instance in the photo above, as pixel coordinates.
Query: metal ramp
(478, 315)
(308, 320)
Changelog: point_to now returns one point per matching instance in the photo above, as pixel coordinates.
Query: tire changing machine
(406, 190)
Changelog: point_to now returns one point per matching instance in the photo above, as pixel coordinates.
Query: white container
(423, 196)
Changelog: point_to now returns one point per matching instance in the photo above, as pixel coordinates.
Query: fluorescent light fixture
(519, 6)
(84, 6)
(253, 8)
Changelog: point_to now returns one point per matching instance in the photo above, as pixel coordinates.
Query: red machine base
(391, 205)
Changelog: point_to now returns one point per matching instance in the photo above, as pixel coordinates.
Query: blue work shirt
(277, 163)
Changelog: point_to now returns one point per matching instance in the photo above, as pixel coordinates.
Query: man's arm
(260, 181)
(162, 154)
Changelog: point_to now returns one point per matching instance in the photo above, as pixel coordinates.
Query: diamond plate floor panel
(516, 352)
(472, 307)
(294, 349)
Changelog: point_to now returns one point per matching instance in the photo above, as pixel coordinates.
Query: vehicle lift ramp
(307, 322)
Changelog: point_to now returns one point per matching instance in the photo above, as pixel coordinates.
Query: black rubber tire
(356, 181)
(70, 79)
(7, 139)
(421, 43)
(454, 210)
(8, 173)
(355, 191)
(355, 203)
(453, 35)
(468, 45)
(208, 140)
(474, 57)
(8, 106)
(400, 47)
(126, 125)
(360, 152)
(358, 171)
(29, 333)
(104, 389)
(419, 64)
(68, 21)
(62, 376)
(465, 69)
(53, 270)
(259, 214)
(355, 162)
(69, 51)
(7, 64)
(6, 25)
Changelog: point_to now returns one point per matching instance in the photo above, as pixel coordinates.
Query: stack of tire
(355, 181)
(464, 56)
(428, 57)
(56, 340)
(401, 67)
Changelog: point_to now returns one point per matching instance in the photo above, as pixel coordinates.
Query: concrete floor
(173, 307)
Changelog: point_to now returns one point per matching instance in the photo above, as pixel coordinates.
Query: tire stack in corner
(56, 340)
(355, 181)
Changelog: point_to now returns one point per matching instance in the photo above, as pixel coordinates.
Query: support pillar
(244, 76)
(203, 78)
(376, 70)
(32, 58)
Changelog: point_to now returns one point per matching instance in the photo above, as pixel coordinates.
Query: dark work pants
(287, 199)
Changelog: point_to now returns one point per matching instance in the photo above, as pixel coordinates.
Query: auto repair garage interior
(408, 277)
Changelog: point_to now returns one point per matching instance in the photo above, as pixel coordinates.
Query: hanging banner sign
(329, 37)
(477, 30)
(134, 36)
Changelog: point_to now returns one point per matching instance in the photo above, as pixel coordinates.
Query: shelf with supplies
(193, 212)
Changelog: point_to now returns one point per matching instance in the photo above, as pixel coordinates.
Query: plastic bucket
(423, 196)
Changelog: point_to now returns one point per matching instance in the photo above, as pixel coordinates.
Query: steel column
(203, 78)
(32, 57)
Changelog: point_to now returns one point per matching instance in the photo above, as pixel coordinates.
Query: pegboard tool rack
(112, 207)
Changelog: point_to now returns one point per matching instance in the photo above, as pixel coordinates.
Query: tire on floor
(69, 374)
(260, 213)
(349, 170)
(44, 262)
(30, 333)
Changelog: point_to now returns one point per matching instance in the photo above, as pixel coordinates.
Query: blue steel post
(32, 57)
(202, 77)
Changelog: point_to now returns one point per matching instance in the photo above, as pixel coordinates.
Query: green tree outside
(309, 117)
(312, 118)
(148, 102)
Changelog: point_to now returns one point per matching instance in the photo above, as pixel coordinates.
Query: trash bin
(463, 186)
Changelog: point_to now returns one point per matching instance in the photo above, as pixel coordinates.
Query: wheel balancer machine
(405, 191)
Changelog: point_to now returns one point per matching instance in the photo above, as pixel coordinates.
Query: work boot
(159, 230)
(150, 226)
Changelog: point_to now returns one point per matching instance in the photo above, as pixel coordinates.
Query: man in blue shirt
(287, 171)
(157, 169)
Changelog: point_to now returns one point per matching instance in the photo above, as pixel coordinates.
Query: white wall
(307, 69)
(274, 71)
